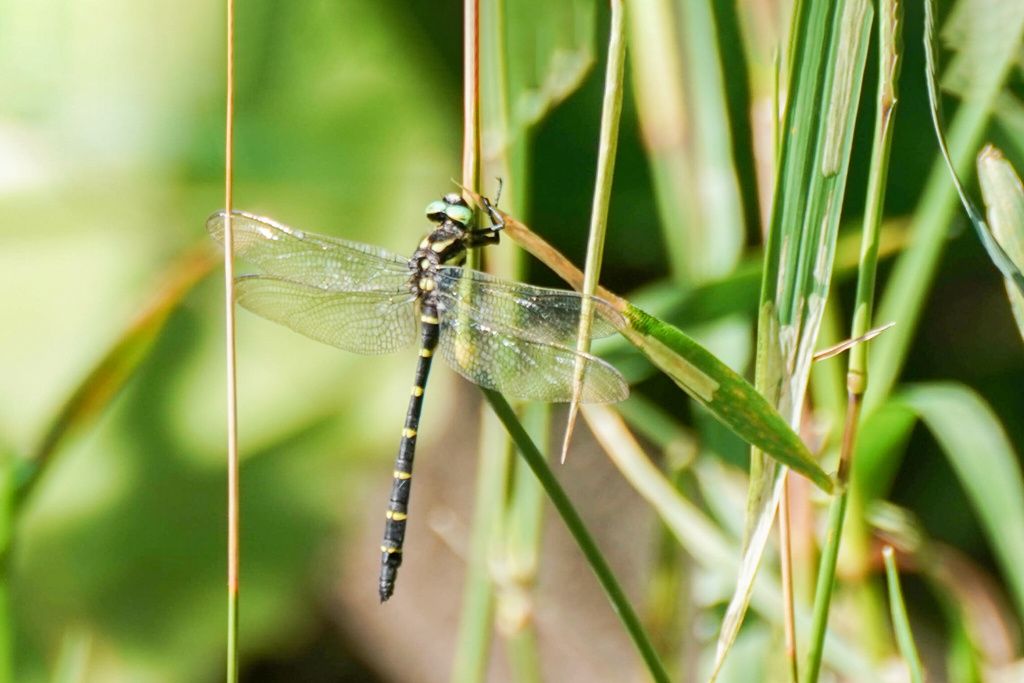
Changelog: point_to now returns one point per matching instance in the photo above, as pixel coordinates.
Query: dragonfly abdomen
(398, 505)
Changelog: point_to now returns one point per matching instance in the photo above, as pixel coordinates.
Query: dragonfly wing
(317, 260)
(502, 358)
(363, 322)
(538, 313)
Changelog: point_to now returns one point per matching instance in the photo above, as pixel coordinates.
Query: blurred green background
(348, 122)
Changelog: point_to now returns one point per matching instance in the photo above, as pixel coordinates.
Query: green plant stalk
(856, 379)
(826, 577)
(575, 525)
(900, 621)
(472, 648)
(522, 536)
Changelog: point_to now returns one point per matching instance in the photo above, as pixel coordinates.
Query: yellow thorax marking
(442, 245)
(430, 319)
(427, 284)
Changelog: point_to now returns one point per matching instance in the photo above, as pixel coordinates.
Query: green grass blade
(579, 531)
(105, 380)
(611, 113)
(1004, 201)
(889, 52)
(829, 52)
(987, 465)
(900, 621)
(999, 257)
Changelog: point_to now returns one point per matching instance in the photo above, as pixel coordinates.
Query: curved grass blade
(985, 462)
(1004, 200)
(102, 384)
(1010, 270)
(909, 282)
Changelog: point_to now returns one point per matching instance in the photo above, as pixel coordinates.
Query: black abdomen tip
(387, 589)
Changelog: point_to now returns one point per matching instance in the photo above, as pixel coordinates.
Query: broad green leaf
(1004, 201)
(718, 388)
(988, 467)
(828, 53)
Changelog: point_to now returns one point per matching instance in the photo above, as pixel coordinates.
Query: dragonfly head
(450, 207)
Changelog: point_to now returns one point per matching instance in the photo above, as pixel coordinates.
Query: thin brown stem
(786, 567)
(229, 328)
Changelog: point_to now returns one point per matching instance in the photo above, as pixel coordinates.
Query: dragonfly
(509, 336)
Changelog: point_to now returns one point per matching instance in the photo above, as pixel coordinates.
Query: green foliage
(349, 121)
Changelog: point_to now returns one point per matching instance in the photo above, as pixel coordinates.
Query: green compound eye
(436, 210)
(459, 214)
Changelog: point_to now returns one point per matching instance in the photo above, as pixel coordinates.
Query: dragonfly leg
(481, 238)
(497, 222)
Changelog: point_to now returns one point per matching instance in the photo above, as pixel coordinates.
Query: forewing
(364, 322)
(316, 260)
(541, 314)
(521, 368)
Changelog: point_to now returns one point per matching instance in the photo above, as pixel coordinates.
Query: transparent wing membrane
(538, 313)
(316, 260)
(501, 358)
(363, 322)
